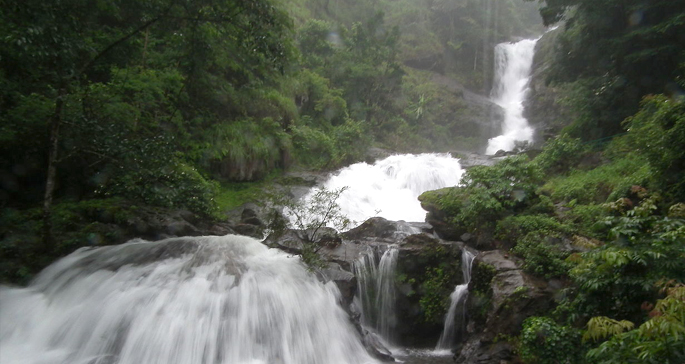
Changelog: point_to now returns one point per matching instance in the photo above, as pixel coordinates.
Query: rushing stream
(187, 301)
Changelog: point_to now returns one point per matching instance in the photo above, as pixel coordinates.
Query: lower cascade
(192, 300)
(376, 292)
(457, 300)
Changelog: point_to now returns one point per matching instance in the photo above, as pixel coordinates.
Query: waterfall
(457, 300)
(376, 292)
(186, 300)
(513, 63)
(389, 188)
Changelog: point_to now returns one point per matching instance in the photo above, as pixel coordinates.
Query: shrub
(560, 154)
(542, 255)
(661, 339)
(517, 226)
(657, 132)
(607, 182)
(313, 148)
(489, 193)
(543, 341)
(437, 286)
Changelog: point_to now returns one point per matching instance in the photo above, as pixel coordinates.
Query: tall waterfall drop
(201, 300)
(389, 188)
(513, 63)
(457, 299)
(375, 296)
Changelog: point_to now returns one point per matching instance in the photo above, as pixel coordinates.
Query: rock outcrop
(501, 297)
(545, 113)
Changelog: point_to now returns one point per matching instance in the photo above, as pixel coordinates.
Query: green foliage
(608, 50)
(350, 72)
(543, 254)
(646, 248)
(587, 219)
(606, 182)
(179, 186)
(546, 342)
(661, 339)
(601, 327)
(517, 226)
(657, 132)
(490, 193)
(436, 288)
(314, 148)
(482, 277)
(246, 149)
(538, 240)
(560, 154)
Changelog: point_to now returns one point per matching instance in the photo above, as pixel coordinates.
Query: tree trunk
(55, 121)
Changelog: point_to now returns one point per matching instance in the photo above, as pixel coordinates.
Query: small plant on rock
(311, 220)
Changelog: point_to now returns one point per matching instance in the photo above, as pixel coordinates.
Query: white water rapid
(375, 297)
(198, 300)
(513, 63)
(390, 187)
(457, 300)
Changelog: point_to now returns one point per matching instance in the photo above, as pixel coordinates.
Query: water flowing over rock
(457, 300)
(376, 291)
(188, 300)
(512, 72)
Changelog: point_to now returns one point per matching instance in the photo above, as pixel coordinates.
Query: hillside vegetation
(601, 208)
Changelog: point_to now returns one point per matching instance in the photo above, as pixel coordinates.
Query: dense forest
(110, 109)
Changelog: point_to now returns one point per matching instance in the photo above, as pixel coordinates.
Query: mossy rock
(442, 205)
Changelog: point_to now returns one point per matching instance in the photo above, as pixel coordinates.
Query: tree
(64, 56)
(615, 52)
(309, 219)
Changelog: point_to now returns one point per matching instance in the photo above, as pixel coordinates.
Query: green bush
(560, 154)
(436, 289)
(588, 219)
(177, 186)
(543, 341)
(602, 184)
(542, 254)
(313, 148)
(645, 248)
(657, 132)
(245, 149)
(515, 227)
(489, 193)
(661, 339)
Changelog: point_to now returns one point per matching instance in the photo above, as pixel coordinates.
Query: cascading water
(389, 188)
(376, 292)
(187, 300)
(513, 63)
(457, 299)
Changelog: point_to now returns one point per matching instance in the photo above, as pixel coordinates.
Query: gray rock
(507, 299)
